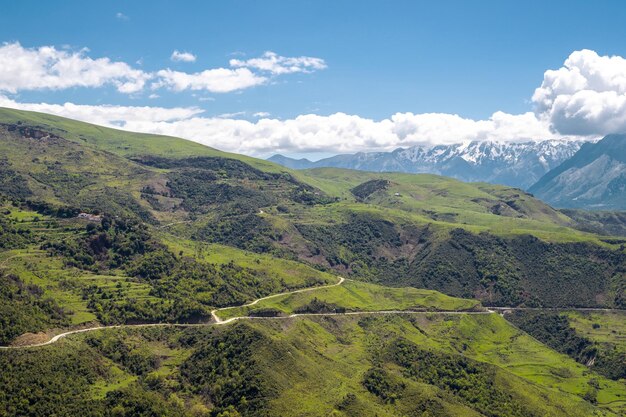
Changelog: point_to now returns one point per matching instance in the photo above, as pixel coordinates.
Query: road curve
(217, 321)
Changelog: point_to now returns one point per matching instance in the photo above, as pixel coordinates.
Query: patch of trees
(114, 202)
(198, 189)
(65, 184)
(364, 190)
(380, 383)
(472, 382)
(499, 271)
(60, 381)
(225, 371)
(250, 232)
(601, 222)
(319, 306)
(265, 312)
(50, 381)
(12, 237)
(12, 183)
(48, 209)
(23, 308)
(234, 187)
(129, 353)
(217, 167)
(113, 243)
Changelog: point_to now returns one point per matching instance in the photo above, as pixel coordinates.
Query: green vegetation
(497, 244)
(61, 271)
(355, 296)
(350, 366)
(592, 338)
(101, 226)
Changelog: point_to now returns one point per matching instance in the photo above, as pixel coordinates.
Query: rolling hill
(104, 227)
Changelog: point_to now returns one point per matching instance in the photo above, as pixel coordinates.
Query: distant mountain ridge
(515, 164)
(594, 178)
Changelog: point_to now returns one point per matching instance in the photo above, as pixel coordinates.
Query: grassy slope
(97, 156)
(316, 367)
(332, 355)
(451, 203)
(292, 274)
(455, 204)
(122, 142)
(359, 296)
(610, 327)
(65, 284)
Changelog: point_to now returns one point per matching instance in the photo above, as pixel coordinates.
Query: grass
(422, 198)
(449, 203)
(313, 363)
(492, 339)
(124, 143)
(359, 296)
(292, 274)
(331, 355)
(601, 326)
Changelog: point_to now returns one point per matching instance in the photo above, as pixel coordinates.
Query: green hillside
(102, 227)
(343, 366)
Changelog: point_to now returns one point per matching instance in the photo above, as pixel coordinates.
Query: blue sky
(381, 58)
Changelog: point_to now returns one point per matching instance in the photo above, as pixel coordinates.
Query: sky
(316, 78)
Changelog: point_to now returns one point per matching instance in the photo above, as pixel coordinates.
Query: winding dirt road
(218, 321)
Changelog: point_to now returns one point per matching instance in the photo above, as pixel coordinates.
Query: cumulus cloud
(49, 68)
(586, 96)
(276, 64)
(178, 56)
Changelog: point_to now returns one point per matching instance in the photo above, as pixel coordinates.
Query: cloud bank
(337, 133)
(585, 98)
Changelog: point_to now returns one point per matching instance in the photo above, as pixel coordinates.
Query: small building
(90, 217)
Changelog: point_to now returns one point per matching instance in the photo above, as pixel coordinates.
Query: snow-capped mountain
(515, 164)
(594, 178)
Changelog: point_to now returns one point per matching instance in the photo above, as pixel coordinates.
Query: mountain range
(593, 178)
(516, 164)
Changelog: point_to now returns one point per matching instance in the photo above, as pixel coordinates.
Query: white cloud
(121, 16)
(587, 96)
(336, 133)
(178, 56)
(54, 69)
(232, 115)
(218, 80)
(106, 115)
(276, 64)
(49, 68)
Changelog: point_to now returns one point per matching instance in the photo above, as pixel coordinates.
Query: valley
(148, 275)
